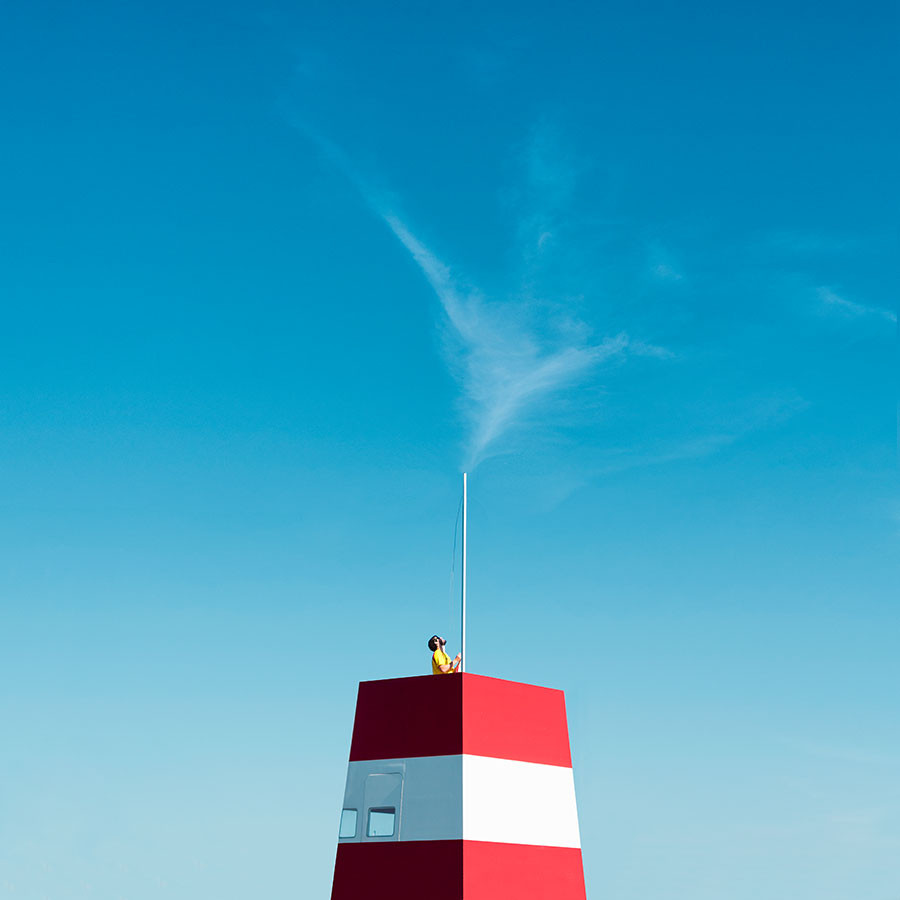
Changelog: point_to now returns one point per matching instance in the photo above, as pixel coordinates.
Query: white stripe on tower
(476, 798)
(512, 802)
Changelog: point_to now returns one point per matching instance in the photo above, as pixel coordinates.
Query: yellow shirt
(440, 659)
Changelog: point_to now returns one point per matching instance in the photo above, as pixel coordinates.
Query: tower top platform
(446, 715)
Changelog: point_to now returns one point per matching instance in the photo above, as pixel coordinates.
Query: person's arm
(454, 666)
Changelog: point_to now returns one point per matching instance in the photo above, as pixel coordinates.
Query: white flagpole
(462, 649)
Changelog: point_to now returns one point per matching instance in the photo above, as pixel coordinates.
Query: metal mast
(465, 512)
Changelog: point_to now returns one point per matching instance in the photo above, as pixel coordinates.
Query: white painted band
(464, 797)
(518, 803)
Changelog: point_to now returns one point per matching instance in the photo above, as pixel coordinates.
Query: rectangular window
(381, 822)
(348, 823)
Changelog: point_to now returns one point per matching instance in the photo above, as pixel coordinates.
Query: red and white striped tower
(459, 788)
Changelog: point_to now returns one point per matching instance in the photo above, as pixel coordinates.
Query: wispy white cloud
(692, 448)
(506, 368)
(759, 413)
(665, 272)
(832, 300)
(511, 357)
(542, 193)
(663, 266)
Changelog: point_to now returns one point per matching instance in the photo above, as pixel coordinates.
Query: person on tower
(440, 661)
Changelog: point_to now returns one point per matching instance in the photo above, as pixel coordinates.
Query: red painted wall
(509, 720)
(516, 871)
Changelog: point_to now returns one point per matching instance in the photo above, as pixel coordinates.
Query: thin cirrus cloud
(509, 368)
(834, 301)
(752, 415)
(507, 372)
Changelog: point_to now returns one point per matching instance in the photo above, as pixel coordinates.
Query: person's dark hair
(433, 643)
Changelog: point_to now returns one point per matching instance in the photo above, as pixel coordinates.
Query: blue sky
(273, 275)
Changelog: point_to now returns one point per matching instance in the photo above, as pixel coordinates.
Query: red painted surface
(442, 715)
(399, 718)
(510, 720)
(456, 870)
(399, 870)
(515, 871)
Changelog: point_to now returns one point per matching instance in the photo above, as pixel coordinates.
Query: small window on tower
(348, 823)
(381, 822)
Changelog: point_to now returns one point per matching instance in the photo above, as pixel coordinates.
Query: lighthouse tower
(459, 787)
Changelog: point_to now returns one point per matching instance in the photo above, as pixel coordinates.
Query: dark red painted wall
(404, 717)
(399, 870)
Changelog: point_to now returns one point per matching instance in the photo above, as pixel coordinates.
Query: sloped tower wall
(459, 787)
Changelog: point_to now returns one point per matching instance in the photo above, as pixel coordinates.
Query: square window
(348, 823)
(381, 822)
